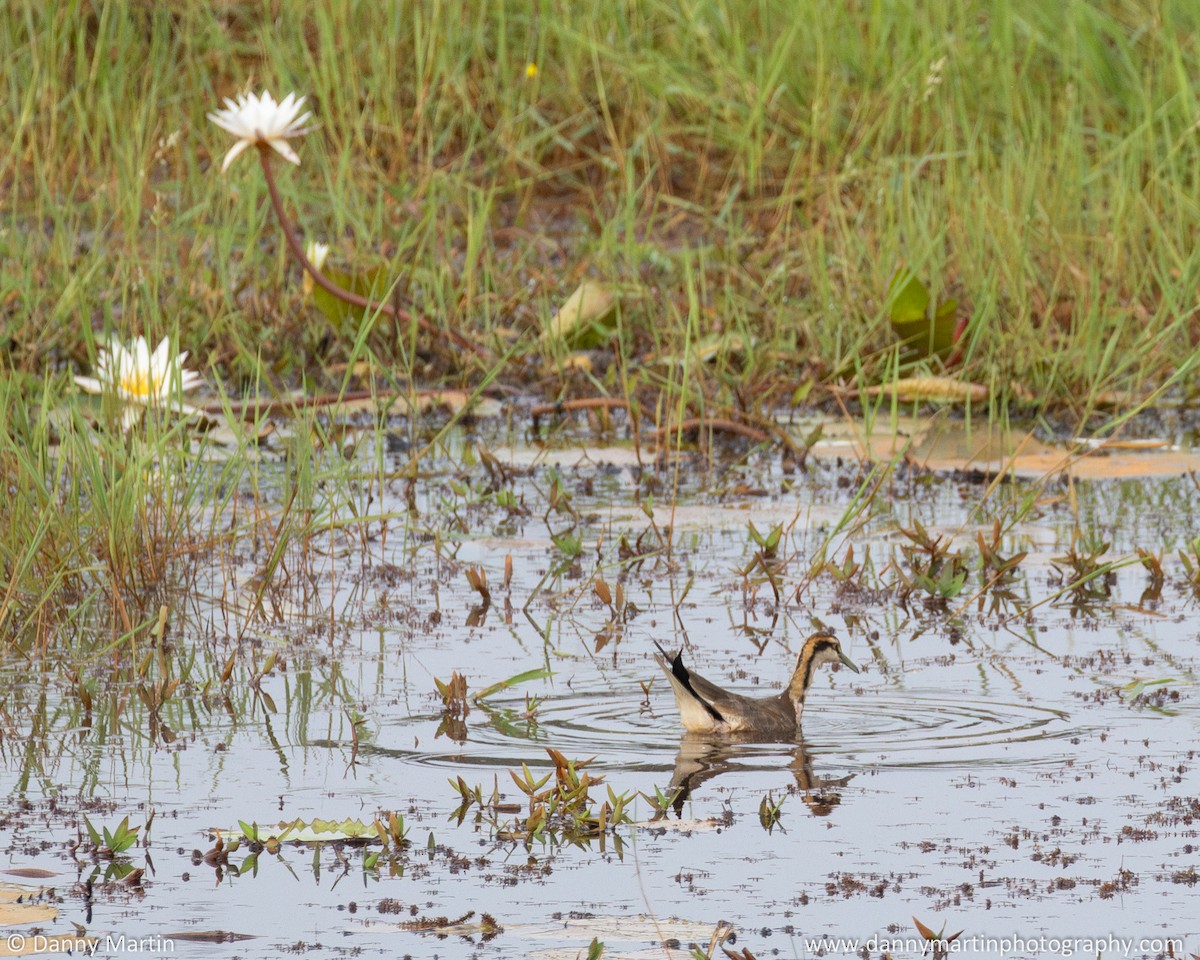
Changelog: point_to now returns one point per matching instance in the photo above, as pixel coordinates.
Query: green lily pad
(343, 316)
(923, 332)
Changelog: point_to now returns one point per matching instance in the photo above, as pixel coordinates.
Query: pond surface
(995, 768)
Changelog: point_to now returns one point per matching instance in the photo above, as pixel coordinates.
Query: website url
(1006, 946)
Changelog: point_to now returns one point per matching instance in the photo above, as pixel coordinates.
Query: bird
(706, 708)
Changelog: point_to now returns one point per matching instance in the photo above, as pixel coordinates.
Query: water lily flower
(141, 378)
(317, 254)
(259, 119)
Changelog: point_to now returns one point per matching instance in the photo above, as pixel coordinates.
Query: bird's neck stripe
(798, 688)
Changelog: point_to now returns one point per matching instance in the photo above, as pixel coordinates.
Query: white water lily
(317, 253)
(259, 119)
(141, 378)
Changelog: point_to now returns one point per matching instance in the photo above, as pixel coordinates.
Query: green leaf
(541, 673)
(921, 333)
(1135, 688)
(344, 316)
(571, 546)
(909, 297)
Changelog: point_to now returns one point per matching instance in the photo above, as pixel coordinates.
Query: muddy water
(984, 771)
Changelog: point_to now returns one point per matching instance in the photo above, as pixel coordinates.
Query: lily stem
(348, 296)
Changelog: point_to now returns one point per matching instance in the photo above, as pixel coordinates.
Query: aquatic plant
(939, 942)
(769, 812)
(109, 844)
(562, 812)
(260, 121)
(932, 565)
(140, 378)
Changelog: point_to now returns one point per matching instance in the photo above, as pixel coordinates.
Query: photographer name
(19, 943)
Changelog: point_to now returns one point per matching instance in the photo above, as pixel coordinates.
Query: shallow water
(983, 771)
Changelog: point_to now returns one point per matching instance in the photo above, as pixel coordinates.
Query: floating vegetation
(388, 828)
(929, 564)
(769, 812)
(108, 844)
(553, 814)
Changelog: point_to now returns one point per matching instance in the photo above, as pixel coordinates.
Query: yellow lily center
(139, 383)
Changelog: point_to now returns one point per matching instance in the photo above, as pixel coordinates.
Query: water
(984, 770)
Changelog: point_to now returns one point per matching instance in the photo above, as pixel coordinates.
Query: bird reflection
(701, 759)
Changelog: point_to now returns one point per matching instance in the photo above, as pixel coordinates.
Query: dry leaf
(602, 591)
(18, 907)
(590, 303)
(931, 388)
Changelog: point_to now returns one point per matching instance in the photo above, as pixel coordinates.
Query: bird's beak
(847, 661)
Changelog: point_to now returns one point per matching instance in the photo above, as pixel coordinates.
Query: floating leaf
(1135, 688)
(31, 873)
(315, 831)
(580, 321)
(924, 334)
(539, 674)
(342, 315)
(207, 936)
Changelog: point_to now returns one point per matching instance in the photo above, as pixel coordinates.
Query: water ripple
(891, 729)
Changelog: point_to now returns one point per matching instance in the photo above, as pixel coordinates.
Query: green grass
(734, 167)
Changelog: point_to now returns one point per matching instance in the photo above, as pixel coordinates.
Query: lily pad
(923, 332)
(342, 315)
